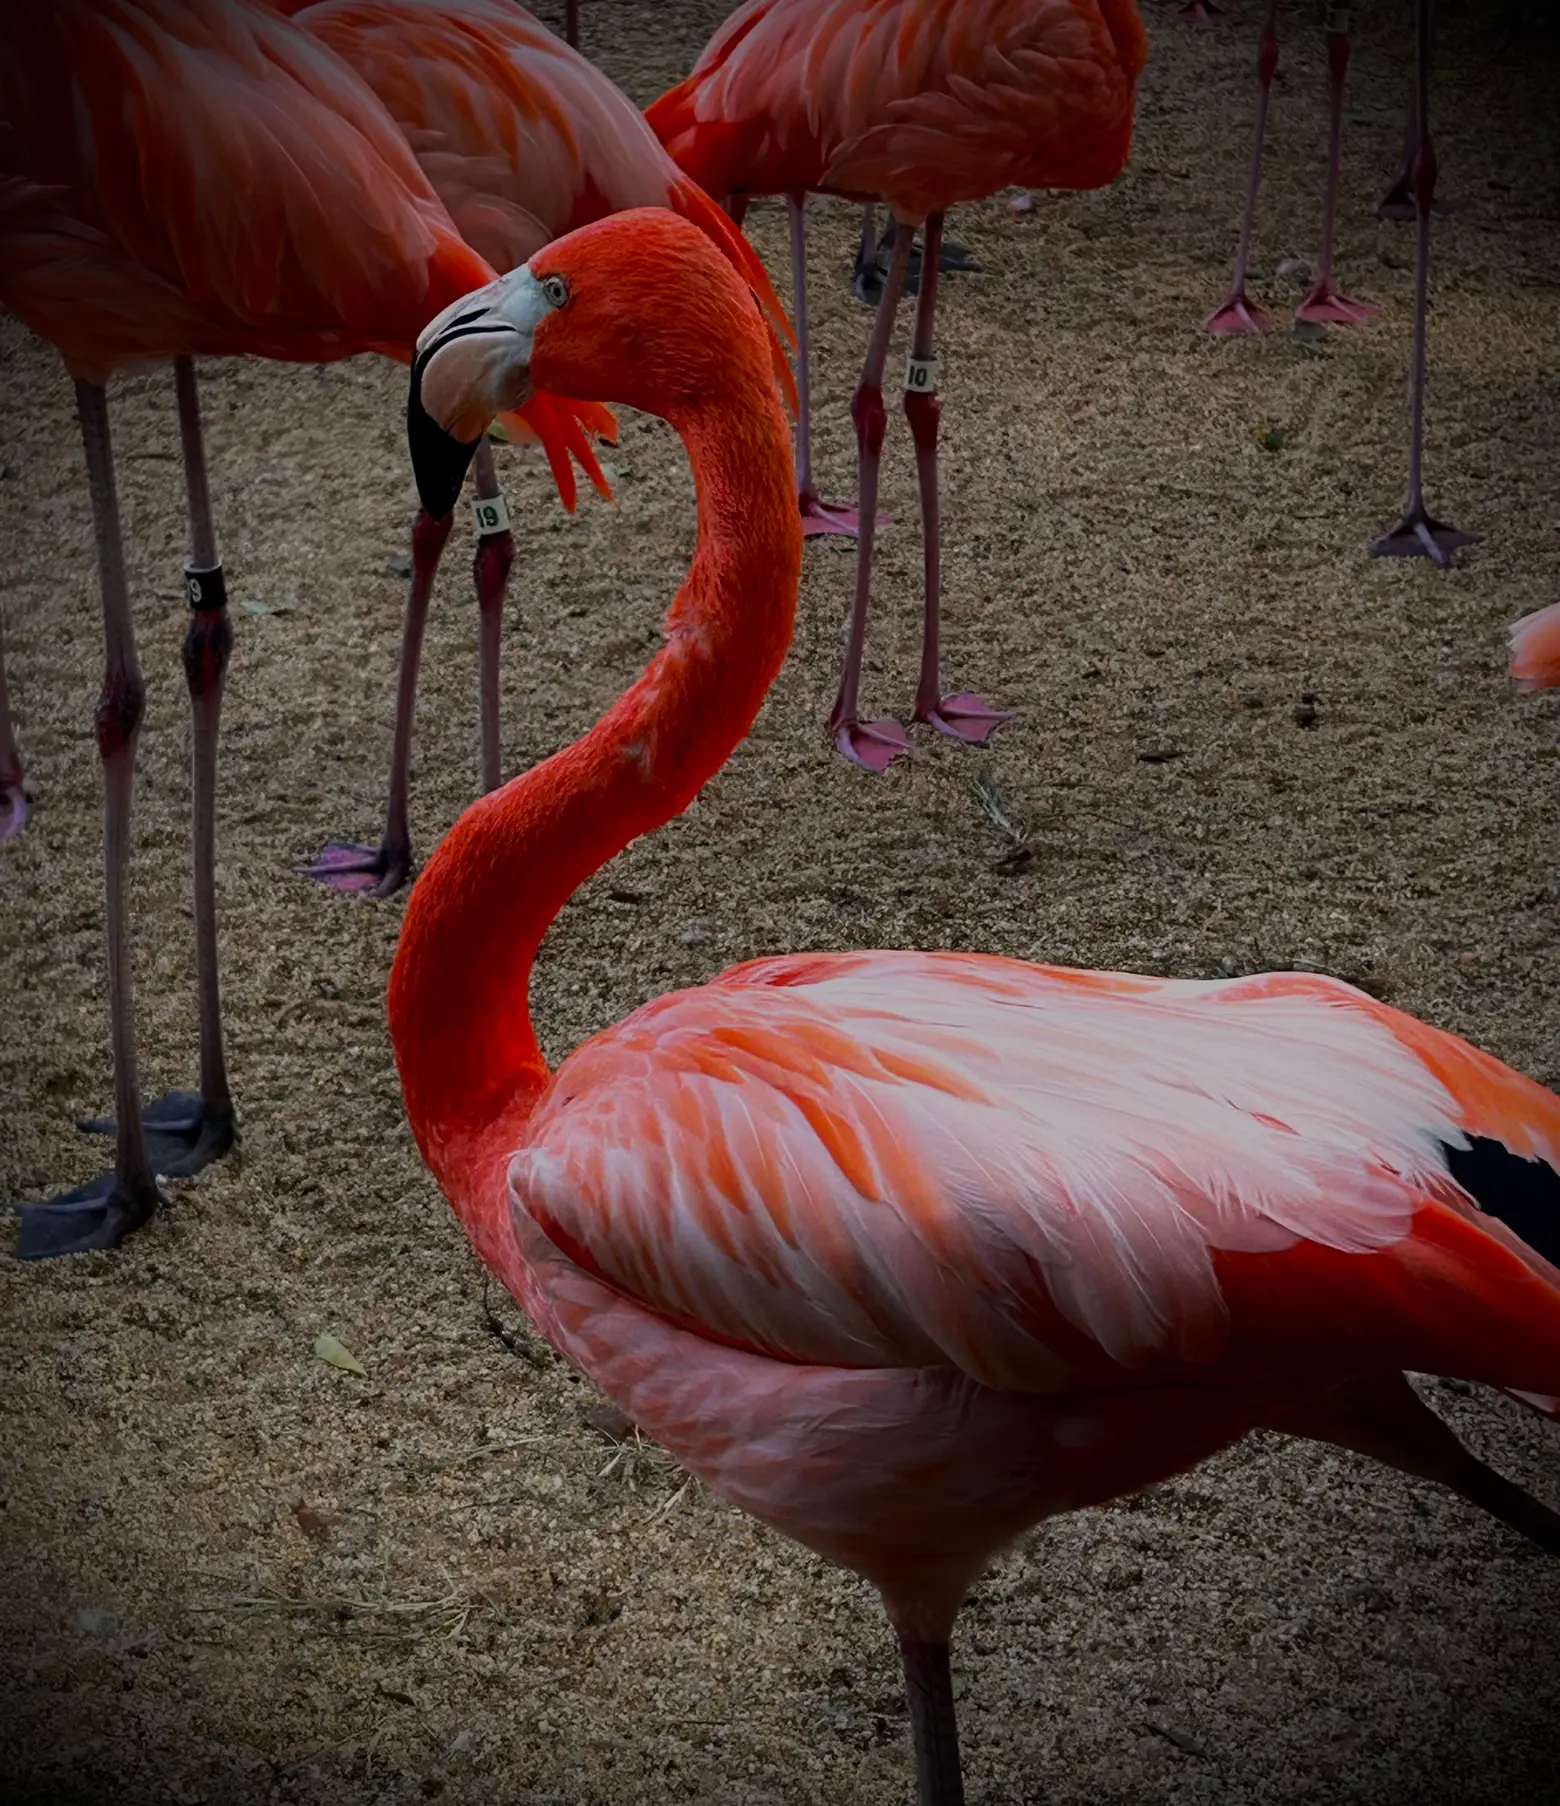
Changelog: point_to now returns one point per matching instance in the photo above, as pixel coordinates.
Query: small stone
(399, 564)
(1293, 269)
(1022, 203)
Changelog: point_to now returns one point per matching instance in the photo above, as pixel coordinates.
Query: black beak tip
(439, 460)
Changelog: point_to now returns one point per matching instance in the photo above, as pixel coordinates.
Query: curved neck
(459, 1002)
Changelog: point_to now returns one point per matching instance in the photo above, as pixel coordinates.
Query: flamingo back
(217, 150)
(923, 103)
(1050, 1179)
(522, 137)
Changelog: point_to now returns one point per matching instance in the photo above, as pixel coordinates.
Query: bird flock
(900, 1252)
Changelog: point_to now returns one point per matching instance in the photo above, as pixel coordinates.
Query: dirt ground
(230, 1572)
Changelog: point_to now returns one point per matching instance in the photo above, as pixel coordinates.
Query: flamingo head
(638, 308)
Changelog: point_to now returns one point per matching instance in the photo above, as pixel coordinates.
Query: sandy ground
(233, 1573)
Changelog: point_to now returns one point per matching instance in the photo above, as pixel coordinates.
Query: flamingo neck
(459, 1002)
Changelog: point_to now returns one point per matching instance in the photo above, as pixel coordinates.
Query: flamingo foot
(965, 717)
(99, 1215)
(1236, 313)
(1417, 535)
(873, 745)
(182, 1135)
(13, 808)
(832, 517)
(1324, 306)
(353, 871)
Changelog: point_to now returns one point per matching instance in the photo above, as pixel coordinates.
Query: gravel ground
(230, 1572)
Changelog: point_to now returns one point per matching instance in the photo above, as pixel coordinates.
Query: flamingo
(1411, 196)
(522, 139)
(1535, 649)
(904, 1252)
(920, 104)
(185, 178)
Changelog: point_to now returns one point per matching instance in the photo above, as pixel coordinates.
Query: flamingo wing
(925, 102)
(1050, 1179)
(231, 154)
(522, 137)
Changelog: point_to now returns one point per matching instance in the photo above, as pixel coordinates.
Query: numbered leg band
(921, 376)
(205, 591)
(492, 513)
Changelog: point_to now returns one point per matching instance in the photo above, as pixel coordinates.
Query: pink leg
(1418, 534)
(1324, 305)
(737, 207)
(103, 1213)
(870, 744)
(817, 516)
(1398, 202)
(1235, 313)
(495, 554)
(571, 23)
(13, 797)
(934, 1725)
(385, 868)
(962, 716)
(187, 1130)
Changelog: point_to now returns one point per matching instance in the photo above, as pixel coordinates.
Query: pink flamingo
(199, 178)
(1535, 649)
(1417, 534)
(903, 1252)
(920, 104)
(522, 139)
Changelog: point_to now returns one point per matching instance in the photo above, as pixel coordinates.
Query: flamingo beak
(473, 361)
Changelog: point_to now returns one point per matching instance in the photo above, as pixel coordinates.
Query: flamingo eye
(556, 290)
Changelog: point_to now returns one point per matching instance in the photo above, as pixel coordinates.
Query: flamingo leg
(933, 1722)
(962, 716)
(1324, 305)
(737, 207)
(871, 744)
(101, 1214)
(867, 284)
(187, 1130)
(384, 869)
(13, 796)
(867, 281)
(817, 516)
(495, 554)
(1418, 534)
(571, 23)
(1236, 312)
(1384, 1417)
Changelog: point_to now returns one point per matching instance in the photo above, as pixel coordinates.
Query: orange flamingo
(522, 139)
(921, 104)
(1535, 649)
(187, 178)
(903, 1252)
